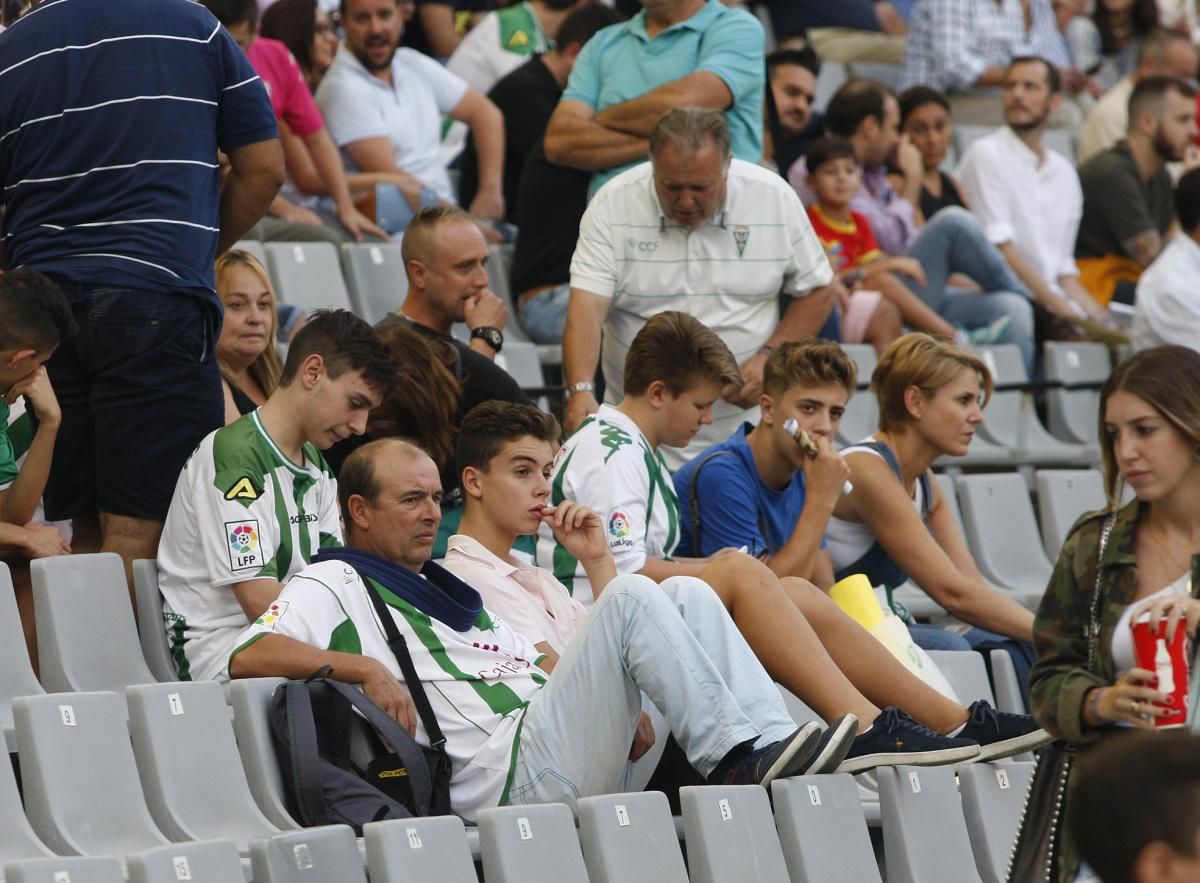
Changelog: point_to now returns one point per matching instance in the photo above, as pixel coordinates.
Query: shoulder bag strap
(1094, 616)
(694, 499)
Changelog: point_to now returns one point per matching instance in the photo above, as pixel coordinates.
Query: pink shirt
(289, 94)
(529, 599)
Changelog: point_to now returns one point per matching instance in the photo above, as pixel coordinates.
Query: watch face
(491, 336)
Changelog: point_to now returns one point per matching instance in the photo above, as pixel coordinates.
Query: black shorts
(139, 388)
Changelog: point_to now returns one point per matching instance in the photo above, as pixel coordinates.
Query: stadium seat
(992, 798)
(419, 850)
(208, 861)
(536, 842)
(151, 631)
(1002, 534)
(1064, 495)
(251, 701)
(499, 266)
(16, 673)
(307, 275)
(376, 278)
(87, 639)
(862, 415)
(314, 855)
(82, 793)
(925, 838)
(18, 842)
(254, 247)
(731, 835)
(822, 829)
(64, 870)
(189, 764)
(1005, 683)
(966, 673)
(1072, 414)
(630, 838)
(1010, 419)
(521, 360)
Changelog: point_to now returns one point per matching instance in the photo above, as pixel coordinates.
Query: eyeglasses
(324, 28)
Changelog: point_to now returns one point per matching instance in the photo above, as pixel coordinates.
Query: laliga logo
(243, 539)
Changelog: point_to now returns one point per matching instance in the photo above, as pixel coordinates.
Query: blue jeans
(953, 242)
(544, 316)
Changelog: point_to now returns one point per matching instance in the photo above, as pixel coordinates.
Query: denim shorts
(139, 388)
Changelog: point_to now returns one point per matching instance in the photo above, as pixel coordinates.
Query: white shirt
(1167, 305)
(483, 58)
(408, 111)
(1034, 203)
(728, 272)
(1105, 123)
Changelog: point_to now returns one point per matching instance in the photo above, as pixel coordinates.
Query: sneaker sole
(937, 757)
(1016, 745)
(841, 738)
(794, 757)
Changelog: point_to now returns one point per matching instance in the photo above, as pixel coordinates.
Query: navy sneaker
(832, 746)
(762, 766)
(1000, 734)
(895, 738)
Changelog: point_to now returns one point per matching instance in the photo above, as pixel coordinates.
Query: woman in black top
(925, 119)
(246, 350)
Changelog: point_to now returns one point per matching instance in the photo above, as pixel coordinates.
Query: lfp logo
(243, 544)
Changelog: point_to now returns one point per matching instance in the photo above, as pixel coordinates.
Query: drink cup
(1167, 659)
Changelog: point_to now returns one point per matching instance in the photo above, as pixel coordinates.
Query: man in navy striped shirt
(112, 118)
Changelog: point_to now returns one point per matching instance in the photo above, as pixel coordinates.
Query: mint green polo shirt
(621, 62)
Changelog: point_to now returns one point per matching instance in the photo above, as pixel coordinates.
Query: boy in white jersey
(256, 499)
(513, 734)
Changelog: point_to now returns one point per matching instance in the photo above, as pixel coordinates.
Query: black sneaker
(832, 746)
(1001, 734)
(763, 765)
(895, 738)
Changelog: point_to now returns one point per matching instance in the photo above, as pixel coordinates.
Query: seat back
(1064, 495)
(993, 796)
(156, 650)
(16, 672)
(82, 793)
(251, 701)
(1002, 418)
(210, 861)
(1072, 413)
(823, 830)
(254, 247)
(64, 870)
(521, 843)
(499, 271)
(946, 483)
(628, 838)
(314, 855)
(522, 362)
(307, 275)
(18, 842)
(1005, 682)
(924, 836)
(1002, 532)
(417, 850)
(376, 278)
(731, 835)
(87, 639)
(966, 673)
(189, 764)
(862, 413)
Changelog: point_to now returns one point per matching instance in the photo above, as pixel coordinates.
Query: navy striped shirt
(111, 114)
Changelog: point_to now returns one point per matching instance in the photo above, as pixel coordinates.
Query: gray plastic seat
(1073, 414)
(822, 829)
(307, 275)
(992, 798)
(924, 835)
(966, 673)
(499, 266)
(521, 360)
(82, 793)
(64, 870)
(189, 764)
(151, 631)
(1005, 683)
(18, 842)
(254, 247)
(862, 413)
(419, 850)
(314, 855)
(376, 278)
(630, 838)
(522, 843)
(87, 639)
(731, 835)
(1002, 533)
(16, 672)
(208, 861)
(251, 701)
(1064, 495)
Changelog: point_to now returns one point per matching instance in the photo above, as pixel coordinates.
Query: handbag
(1035, 854)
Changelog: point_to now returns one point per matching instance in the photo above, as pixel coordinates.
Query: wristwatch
(581, 386)
(490, 335)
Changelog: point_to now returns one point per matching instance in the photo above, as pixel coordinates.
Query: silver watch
(581, 386)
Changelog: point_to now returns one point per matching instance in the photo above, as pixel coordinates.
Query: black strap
(399, 648)
(302, 746)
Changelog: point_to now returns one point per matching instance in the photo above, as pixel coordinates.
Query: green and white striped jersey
(479, 682)
(609, 466)
(241, 511)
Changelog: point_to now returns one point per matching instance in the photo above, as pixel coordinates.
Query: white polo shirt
(1034, 203)
(1166, 307)
(408, 112)
(728, 273)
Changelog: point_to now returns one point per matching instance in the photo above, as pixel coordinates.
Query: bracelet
(581, 386)
(1092, 709)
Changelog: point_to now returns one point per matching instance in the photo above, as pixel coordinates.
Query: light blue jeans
(953, 242)
(544, 316)
(677, 644)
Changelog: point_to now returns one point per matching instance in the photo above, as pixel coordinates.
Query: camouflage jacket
(1060, 678)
